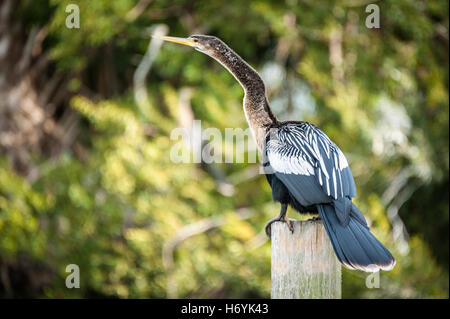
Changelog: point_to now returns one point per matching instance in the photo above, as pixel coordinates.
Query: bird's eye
(196, 40)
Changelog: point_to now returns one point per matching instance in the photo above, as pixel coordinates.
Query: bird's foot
(283, 219)
(315, 218)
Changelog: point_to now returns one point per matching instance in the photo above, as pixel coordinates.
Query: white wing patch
(286, 159)
(303, 149)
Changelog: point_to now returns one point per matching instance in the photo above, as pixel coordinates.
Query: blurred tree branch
(186, 232)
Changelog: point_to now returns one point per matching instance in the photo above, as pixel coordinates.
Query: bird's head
(207, 44)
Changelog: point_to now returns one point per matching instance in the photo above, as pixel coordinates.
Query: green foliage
(118, 208)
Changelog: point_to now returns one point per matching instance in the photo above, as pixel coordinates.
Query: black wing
(311, 166)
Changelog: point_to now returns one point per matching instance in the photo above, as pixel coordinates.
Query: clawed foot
(315, 218)
(278, 219)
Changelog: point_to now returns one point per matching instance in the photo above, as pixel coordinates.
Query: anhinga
(304, 168)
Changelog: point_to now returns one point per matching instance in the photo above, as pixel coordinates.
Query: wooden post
(304, 265)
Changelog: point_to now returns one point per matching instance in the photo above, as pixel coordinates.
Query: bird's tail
(354, 244)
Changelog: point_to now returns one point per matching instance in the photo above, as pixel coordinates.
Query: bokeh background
(85, 172)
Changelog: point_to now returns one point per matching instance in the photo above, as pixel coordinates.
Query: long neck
(256, 106)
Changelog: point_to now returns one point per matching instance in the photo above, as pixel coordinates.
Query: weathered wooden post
(304, 265)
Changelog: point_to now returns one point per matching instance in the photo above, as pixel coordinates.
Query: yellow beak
(184, 41)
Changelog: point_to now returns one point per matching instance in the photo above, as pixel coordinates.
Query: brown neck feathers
(256, 106)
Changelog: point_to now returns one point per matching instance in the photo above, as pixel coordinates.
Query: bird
(305, 169)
